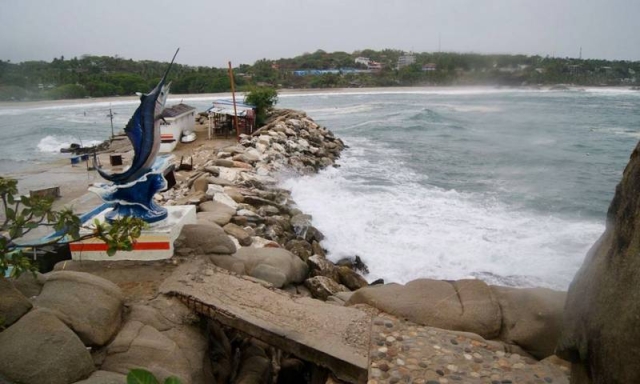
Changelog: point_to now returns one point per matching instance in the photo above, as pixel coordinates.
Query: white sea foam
(404, 230)
(53, 144)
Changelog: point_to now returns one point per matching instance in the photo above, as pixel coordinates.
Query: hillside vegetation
(98, 76)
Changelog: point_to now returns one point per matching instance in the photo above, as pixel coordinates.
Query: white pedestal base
(155, 242)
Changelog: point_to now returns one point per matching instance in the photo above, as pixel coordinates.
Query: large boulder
(217, 207)
(90, 305)
(40, 349)
(274, 265)
(350, 278)
(218, 218)
(162, 337)
(244, 238)
(204, 239)
(29, 284)
(464, 305)
(13, 304)
(531, 318)
(600, 333)
(322, 287)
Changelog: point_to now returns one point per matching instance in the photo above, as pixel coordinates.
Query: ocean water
(510, 186)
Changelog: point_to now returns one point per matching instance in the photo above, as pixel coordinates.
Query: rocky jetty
(246, 224)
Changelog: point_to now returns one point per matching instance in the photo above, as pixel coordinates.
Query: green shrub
(263, 98)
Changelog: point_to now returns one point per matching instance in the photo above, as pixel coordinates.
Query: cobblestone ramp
(334, 337)
(404, 352)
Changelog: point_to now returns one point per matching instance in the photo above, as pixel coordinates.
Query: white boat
(188, 137)
(175, 120)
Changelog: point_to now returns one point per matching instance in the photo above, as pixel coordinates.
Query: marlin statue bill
(143, 131)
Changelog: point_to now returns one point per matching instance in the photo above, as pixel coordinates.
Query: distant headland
(102, 76)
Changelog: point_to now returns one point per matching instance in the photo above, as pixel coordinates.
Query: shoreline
(299, 91)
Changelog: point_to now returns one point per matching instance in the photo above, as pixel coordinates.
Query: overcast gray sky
(211, 32)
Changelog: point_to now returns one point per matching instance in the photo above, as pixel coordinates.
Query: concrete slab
(155, 242)
(336, 338)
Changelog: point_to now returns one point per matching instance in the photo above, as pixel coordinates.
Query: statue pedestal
(155, 242)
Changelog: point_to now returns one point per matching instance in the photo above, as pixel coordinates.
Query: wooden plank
(334, 337)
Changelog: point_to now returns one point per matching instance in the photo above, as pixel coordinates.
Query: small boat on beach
(175, 120)
(188, 137)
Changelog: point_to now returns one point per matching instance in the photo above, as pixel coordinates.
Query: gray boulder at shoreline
(90, 305)
(528, 318)
(601, 327)
(39, 348)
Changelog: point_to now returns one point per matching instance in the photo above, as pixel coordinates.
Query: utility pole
(233, 95)
(580, 53)
(110, 116)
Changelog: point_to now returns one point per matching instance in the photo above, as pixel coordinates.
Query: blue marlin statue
(132, 191)
(143, 131)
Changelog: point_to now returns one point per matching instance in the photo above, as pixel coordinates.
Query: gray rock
(286, 263)
(319, 266)
(13, 304)
(200, 184)
(224, 163)
(236, 231)
(301, 248)
(317, 249)
(177, 348)
(351, 279)
(40, 349)
(600, 334)
(255, 366)
(28, 284)
(531, 318)
(213, 171)
(104, 377)
(220, 181)
(322, 287)
(143, 346)
(219, 218)
(214, 206)
(203, 239)
(234, 194)
(300, 222)
(464, 305)
(90, 305)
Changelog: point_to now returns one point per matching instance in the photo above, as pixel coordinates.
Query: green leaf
(25, 200)
(172, 380)
(11, 214)
(141, 376)
(31, 225)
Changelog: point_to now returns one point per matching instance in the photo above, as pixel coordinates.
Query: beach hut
(175, 120)
(221, 118)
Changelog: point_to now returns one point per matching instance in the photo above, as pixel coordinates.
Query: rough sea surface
(510, 186)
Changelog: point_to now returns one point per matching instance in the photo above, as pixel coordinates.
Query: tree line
(99, 76)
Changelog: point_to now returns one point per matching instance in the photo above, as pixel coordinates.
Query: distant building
(429, 67)
(374, 66)
(362, 60)
(406, 60)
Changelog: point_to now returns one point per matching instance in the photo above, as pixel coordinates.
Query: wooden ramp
(331, 336)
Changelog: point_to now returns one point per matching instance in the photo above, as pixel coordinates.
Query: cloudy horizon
(211, 33)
